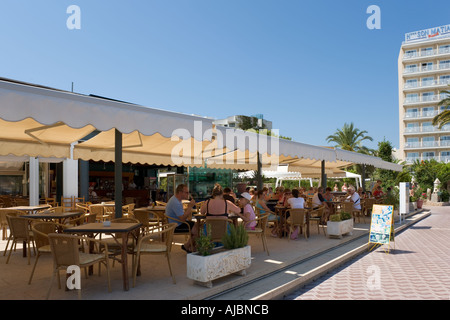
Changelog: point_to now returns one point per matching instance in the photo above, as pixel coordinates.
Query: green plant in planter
(346, 216)
(236, 237)
(204, 243)
(335, 217)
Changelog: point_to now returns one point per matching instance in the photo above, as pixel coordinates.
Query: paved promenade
(417, 269)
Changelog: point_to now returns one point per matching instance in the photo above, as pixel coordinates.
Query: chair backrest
(317, 212)
(216, 227)
(8, 212)
(110, 211)
(96, 210)
(143, 217)
(22, 202)
(166, 232)
(347, 207)
(297, 216)
(82, 206)
(125, 220)
(160, 203)
(91, 218)
(162, 218)
(65, 249)
(19, 227)
(41, 230)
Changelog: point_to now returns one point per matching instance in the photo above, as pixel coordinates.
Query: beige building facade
(423, 73)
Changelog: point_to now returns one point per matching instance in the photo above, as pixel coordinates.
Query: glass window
(411, 68)
(427, 51)
(444, 48)
(412, 97)
(410, 53)
(445, 64)
(427, 66)
(411, 83)
(428, 141)
(412, 113)
(428, 96)
(428, 81)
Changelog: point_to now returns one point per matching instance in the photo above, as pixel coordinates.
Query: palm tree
(350, 138)
(444, 117)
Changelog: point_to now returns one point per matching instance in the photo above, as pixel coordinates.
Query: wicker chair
(186, 233)
(41, 230)
(66, 252)
(317, 217)
(216, 228)
(297, 218)
(150, 245)
(20, 232)
(4, 222)
(98, 212)
(260, 230)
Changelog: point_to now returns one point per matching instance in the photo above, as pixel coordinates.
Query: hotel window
(412, 113)
(428, 96)
(427, 155)
(411, 68)
(411, 53)
(444, 64)
(444, 79)
(412, 97)
(411, 83)
(444, 141)
(428, 81)
(412, 143)
(412, 127)
(428, 141)
(427, 51)
(427, 66)
(427, 127)
(445, 156)
(412, 156)
(428, 112)
(444, 49)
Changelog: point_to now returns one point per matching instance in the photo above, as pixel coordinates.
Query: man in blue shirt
(174, 208)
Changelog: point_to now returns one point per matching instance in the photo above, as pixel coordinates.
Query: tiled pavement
(418, 268)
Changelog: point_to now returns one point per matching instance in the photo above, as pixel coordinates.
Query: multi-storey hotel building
(423, 73)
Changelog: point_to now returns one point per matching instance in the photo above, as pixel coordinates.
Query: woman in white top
(296, 202)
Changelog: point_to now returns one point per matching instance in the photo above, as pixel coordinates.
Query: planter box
(204, 269)
(339, 228)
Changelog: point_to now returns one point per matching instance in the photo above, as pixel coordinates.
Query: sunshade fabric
(138, 148)
(47, 106)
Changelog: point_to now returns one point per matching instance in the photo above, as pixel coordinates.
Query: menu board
(381, 224)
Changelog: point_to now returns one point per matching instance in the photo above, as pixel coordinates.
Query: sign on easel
(381, 226)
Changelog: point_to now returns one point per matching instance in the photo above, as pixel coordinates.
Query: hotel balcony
(440, 83)
(417, 56)
(420, 115)
(422, 70)
(427, 144)
(445, 159)
(425, 129)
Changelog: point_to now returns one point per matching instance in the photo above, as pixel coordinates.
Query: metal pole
(118, 174)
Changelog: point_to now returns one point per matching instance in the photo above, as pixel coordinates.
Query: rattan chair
(144, 218)
(20, 232)
(41, 230)
(127, 210)
(160, 203)
(316, 216)
(187, 233)
(98, 212)
(150, 245)
(216, 228)
(4, 222)
(66, 252)
(297, 218)
(260, 230)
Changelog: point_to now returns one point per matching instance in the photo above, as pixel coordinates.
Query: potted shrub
(231, 258)
(340, 224)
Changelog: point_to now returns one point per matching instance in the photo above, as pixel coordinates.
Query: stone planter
(339, 228)
(204, 269)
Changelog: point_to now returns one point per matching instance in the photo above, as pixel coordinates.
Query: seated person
(296, 202)
(174, 208)
(355, 198)
(229, 195)
(248, 215)
(318, 199)
(378, 193)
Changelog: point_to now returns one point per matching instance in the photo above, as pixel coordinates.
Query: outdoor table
(30, 209)
(48, 215)
(124, 229)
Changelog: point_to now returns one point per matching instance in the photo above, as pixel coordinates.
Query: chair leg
(170, 268)
(10, 251)
(34, 268)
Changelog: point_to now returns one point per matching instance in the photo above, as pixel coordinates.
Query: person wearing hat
(248, 214)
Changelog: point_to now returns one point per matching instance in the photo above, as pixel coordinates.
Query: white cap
(246, 195)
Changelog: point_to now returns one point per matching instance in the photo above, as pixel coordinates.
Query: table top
(98, 227)
(53, 215)
(28, 208)
(151, 208)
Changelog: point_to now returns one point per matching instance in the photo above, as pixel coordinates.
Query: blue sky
(308, 66)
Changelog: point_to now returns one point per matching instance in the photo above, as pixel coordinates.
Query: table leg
(124, 261)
